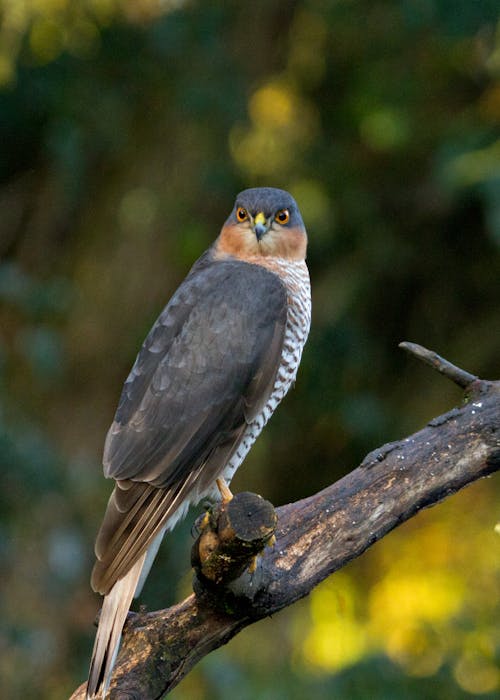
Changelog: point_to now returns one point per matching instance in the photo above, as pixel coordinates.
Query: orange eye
(283, 216)
(241, 214)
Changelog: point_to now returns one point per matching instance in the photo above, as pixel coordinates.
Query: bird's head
(264, 222)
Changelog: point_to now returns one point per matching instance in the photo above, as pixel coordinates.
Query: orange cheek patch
(237, 241)
(289, 243)
(240, 242)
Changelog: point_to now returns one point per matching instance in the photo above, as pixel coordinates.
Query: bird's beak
(260, 225)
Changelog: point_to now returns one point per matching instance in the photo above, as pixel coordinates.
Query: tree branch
(315, 537)
(462, 378)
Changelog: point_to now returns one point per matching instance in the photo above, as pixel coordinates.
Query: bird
(215, 365)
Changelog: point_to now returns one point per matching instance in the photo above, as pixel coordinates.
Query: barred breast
(295, 277)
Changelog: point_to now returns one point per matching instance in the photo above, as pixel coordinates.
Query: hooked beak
(260, 225)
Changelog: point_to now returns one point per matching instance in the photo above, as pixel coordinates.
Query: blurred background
(126, 129)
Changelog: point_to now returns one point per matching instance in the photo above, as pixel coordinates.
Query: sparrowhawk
(215, 365)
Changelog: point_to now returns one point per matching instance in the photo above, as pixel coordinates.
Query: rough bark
(314, 537)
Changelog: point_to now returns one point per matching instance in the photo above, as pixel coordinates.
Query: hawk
(215, 365)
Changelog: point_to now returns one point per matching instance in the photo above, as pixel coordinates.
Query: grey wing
(207, 363)
(205, 370)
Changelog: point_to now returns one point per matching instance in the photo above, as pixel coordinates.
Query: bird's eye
(241, 214)
(283, 216)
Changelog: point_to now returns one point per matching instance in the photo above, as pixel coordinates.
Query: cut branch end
(234, 533)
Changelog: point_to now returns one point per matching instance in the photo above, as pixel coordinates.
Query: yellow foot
(253, 565)
(202, 522)
(224, 490)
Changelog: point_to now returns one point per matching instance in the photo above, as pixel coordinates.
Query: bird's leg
(224, 490)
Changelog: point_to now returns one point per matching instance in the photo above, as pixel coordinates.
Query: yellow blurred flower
(336, 639)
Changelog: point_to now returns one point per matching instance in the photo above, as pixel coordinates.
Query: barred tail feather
(113, 614)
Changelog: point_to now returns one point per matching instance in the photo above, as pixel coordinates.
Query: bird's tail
(107, 641)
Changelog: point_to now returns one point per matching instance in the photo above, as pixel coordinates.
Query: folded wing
(205, 370)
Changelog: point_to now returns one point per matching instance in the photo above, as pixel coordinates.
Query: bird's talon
(200, 524)
(203, 521)
(253, 565)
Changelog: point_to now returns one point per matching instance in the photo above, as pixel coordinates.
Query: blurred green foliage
(127, 127)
